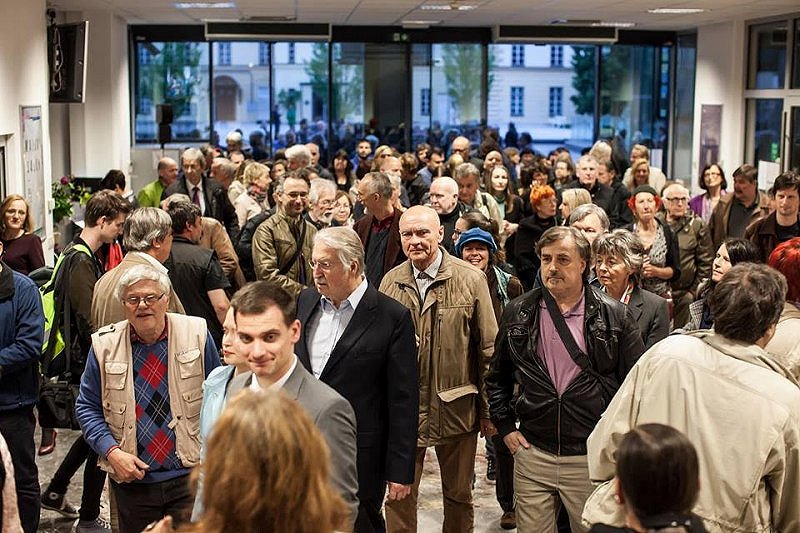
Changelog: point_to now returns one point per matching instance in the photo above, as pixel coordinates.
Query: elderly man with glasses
(140, 398)
(695, 250)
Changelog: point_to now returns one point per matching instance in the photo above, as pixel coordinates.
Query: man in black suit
(208, 194)
(362, 344)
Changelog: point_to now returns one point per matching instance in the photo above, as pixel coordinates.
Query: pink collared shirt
(551, 350)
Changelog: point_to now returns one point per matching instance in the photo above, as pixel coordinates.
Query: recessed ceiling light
(613, 24)
(447, 7)
(205, 5)
(677, 10)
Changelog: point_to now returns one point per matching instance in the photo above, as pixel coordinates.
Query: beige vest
(186, 342)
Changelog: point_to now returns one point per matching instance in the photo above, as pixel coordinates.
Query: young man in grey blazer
(267, 329)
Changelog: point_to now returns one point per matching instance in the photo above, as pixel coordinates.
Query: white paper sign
(767, 172)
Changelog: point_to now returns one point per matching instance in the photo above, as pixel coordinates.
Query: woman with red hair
(662, 263)
(785, 344)
(543, 203)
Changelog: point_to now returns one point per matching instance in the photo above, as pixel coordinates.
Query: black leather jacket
(559, 425)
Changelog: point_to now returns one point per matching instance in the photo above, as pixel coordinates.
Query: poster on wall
(710, 133)
(33, 163)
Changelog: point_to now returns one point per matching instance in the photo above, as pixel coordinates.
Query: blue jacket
(21, 335)
(214, 389)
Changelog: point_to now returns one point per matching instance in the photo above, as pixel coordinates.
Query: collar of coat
(749, 353)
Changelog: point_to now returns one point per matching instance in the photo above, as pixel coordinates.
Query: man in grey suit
(268, 329)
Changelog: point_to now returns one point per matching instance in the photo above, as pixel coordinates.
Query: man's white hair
(300, 154)
(139, 273)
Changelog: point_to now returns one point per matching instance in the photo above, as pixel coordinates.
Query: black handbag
(57, 405)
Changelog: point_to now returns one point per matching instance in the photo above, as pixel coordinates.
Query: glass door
(792, 134)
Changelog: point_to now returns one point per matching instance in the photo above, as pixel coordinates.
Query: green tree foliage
(583, 79)
(461, 64)
(348, 82)
(613, 87)
(288, 99)
(170, 75)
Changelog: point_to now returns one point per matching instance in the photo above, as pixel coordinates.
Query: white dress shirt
(200, 196)
(327, 324)
(256, 386)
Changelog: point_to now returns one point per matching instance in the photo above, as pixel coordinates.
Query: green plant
(65, 193)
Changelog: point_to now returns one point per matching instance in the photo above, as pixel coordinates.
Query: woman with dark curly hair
(712, 180)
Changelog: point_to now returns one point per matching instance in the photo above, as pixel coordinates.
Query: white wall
(720, 80)
(99, 129)
(24, 81)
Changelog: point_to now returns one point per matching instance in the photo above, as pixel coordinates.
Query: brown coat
(718, 225)
(216, 238)
(106, 307)
(394, 255)
(764, 234)
(273, 247)
(455, 327)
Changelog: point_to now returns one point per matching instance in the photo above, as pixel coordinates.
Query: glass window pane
(763, 141)
(683, 127)
(545, 103)
(767, 55)
(422, 98)
(796, 67)
(300, 74)
(634, 96)
(456, 92)
(176, 74)
(347, 108)
(241, 94)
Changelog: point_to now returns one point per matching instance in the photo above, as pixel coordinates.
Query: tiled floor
(487, 511)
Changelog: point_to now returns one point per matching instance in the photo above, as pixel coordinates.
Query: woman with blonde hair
(641, 174)
(270, 469)
(255, 200)
(22, 249)
(570, 199)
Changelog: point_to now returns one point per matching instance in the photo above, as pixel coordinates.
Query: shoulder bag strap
(299, 249)
(580, 358)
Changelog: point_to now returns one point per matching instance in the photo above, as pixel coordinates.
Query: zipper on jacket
(558, 429)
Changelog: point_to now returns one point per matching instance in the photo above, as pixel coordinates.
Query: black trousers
(93, 478)
(17, 427)
(370, 519)
(138, 504)
(504, 470)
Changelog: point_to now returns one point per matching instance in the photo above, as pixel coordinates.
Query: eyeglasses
(710, 173)
(678, 200)
(134, 301)
(323, 265)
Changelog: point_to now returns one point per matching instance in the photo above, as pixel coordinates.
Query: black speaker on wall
(164, 119)
(66, 56)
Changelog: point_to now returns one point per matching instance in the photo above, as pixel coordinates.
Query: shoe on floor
(58, 503)
(48, 442)
(98, 525)
(491, 469)
(508, 520)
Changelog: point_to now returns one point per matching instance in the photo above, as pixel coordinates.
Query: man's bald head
(444, 195)
(420, 234)
(392, 164)
(167, 171)
(461, 146)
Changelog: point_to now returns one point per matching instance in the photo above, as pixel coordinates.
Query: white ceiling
(486, 12)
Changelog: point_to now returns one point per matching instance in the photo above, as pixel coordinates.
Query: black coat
(218, 205)
(528, 233)
(553, 423)
(651, 313)
(374, 366)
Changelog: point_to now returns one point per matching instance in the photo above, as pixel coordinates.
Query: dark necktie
(196, 196)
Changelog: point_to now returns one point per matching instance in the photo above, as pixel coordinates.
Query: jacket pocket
(116, 375)
(459, 412)
(114, 413)
(189, 363)
(192, 401)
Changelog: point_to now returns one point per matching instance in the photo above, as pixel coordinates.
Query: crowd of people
(248, 335)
